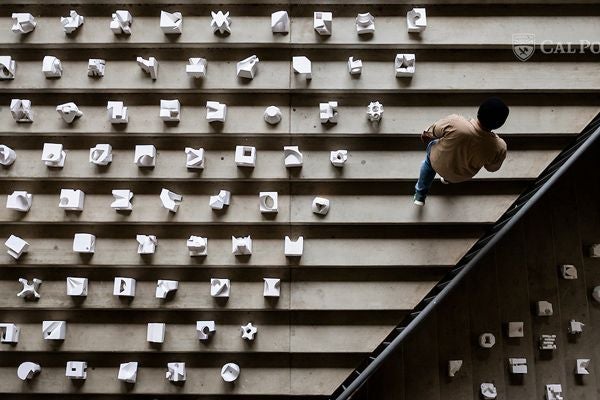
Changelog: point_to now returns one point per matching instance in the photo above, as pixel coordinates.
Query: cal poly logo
(523, 45)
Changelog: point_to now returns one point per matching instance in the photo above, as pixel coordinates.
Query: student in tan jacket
(457, 148)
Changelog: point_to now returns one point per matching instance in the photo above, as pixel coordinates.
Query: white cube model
(68, 112)
(354, 66)
(268, 202)
(204, 329)
(117, 112)
(194, 158)
(176, 372)
(71, 199)
(302, 66)
(245, 156)
(72, 22)
(101, 154)
(272, 287)
(215, 111)
(8, 68)
(294, 248)
(241, 246)
(338, 158)
(230, 372)
(52, 67)
(322, 22)
(122, 200)
(328, 112)
(197, 246)
(292, 157)
(247, 67)
(121, 22)
(280, 22)
(76, 370)
(124, 287)
(30, 289)
(170, 110)
(164, 287)
(77, 287)
(320, 205)
(23, 23)
(128, 372)
(149, 66)
(248, 331)
(54, 330)
(96, 67)
(171, 23)
(9, 333)
(365, 24)
(196, 67)
(16, 246)
(7, 155)
(220, 287)
(404, 65)
(19, 200)
(156, 332)
(84, 243)
(416, 20)
(28, 370)
(220, 22)
(375, 111)
(220, 200)
(170, 200)
(146, 244)
(272, 115)
(145, 155)
(53, 155)
(21, 111)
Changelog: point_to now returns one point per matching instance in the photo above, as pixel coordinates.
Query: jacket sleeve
(496, 163)
(440, 128)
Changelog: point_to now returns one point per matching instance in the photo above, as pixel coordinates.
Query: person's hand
(425, 138)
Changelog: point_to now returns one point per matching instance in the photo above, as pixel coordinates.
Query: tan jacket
(464, 148)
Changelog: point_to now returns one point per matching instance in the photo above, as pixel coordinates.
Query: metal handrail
(562, 162)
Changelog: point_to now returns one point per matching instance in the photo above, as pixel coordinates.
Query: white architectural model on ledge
(292, 157)
(164, 287)
(215, 111)
(280, 22)
(54, 330)
(268, 202)
(170, 200)
(170, 110)
(52, 67)
(146, 244)
(121, 22)
(122, 200)
(272, 115)
(544, 309)
(247, 67)
(516, 329)
(322, 22)
(124, 287)
(272, 287)
(488, 391)
(575, 327)
(16, 246)
(76, 370)
(293, 248)
(20, 109)
(145, 155)
(171, 23)
(176, 372)
(156, 332)
(19, 200)
(72, 22)
(245, 156)
(375, 111)
(365, 23)
(197, 246)
(338, 157)
(230, 372)
(554, 392)
(8, 68)
(487, 340)
(96, 67)
(9, 333)
(248, 331)
(517, 365)
(453, 367)
(416, 20)
(68, 112)
(71, 199)
(328, 112)
(568, 271)
(7, 155)
(581, 366)
(204, 329)
(220, 22)
(219, 201)
(149, 66)
(101, 154)
(220, 287)
(196, 67)
(53, 155)
(404, 65)
(194, 158)
(302, 66)
(354, 66)
(23, 23)
(241, 246)
(28, 370)
(117, 112)
(128, 372)
(77, 286)
(84, 243)
(320, 205)
(594, 251)
(547, 342)
(30, 289)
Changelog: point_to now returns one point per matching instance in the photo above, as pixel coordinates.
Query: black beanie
(492, 113)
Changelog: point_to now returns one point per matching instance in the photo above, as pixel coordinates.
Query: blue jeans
(426, 175)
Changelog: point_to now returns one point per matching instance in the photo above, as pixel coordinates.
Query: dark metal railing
(355, 381)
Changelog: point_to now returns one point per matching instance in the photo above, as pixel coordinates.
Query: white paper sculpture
(272, 287)
(16, 246)
(365, 23)
(245, 156)
(194, 158)
(164, 287)
(146, 244)
(220, 287)
(9, 333)
(76, 370)
(547, 342)
(23, 23)
(453, 367)
(204, 329)
(568, 271)
(215, 111)
(128, 372)
(268, 202)
(320, 205)
(121, 22)
(7, 155)
(596, 293)
(338, 157)
(230, 372)
(7, 67)
(171, 23)
(488, 391)
(554, 392)
(248, 331)
(487, 340)
(170, 200)
(176, 372)
(581, 366)
(156, 332)
(328, 112)
(19, 201)
(241, 246)
(53, 155)
(272, 115)
(375, 111)
(247, 67)
(516, 329)
(219, 201)
(122, 200)
(84, 243)
(404, 65)
(72, 22)
(51, 67)
(170, 110)
(77, 286)
(96, 67)
(292, 157)
(594, 251)
(30, 289)
(124, 287)
(197, 246)
(145, 155)
(517, 365)
(101, 154)
(149, 66)
(28, 370)
(220, 22)
(280, 22)
(117, 112)
(544, 309)
(294, 248)
(54, 330)
(354, 66)
(71, 199)
(302, 66)
(575, 327)
(68, 112)
(196, 67)
(20, 109)
(416, 20)
(322, 22)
